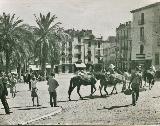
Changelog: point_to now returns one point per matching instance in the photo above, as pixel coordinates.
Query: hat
(138, 67)
(111, 66)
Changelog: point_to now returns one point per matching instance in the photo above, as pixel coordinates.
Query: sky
(100, 16)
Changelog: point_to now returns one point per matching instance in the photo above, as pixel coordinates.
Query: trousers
(135, 94)
(53, 96)
(5, 104)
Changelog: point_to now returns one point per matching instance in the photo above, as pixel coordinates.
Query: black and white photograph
(80, 62)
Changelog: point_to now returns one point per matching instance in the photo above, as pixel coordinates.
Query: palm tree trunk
(7, 61)
(52, 67)
(44, 58)
(19, 70)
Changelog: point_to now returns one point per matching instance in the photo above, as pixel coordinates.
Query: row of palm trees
(21, 42)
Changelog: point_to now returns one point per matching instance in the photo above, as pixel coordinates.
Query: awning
(81, 65)
(34, 67)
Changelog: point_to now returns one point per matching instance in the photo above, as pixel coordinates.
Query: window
(89, 59)
(99, 44)
(142, 18)
(141, 49)
(157, 59)
(89, 44)
(79, 39)
(142, 34)
(70, 43)
(89, 52)
(63, 60)
(99, 53)
(79, 56)
(70, 60)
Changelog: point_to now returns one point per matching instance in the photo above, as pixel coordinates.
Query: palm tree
(9, 35)
(23, 50)
(46, 28)
(15, 40)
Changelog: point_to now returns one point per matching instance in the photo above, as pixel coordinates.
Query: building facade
(146, 36)
(124, 46)
(110, 51)
(82, 46)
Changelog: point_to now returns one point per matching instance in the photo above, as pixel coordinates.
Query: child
(12, 83)
(34, 90)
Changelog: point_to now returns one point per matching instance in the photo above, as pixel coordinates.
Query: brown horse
(77, 81)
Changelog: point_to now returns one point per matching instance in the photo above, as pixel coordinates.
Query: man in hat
(53, 84)
(135, 84)
(111, 69)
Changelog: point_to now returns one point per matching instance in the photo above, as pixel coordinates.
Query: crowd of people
(9, 81)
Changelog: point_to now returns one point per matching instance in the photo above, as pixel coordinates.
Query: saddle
(117, 76)
(86, 77)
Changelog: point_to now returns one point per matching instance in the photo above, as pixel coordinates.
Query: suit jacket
(53, 84)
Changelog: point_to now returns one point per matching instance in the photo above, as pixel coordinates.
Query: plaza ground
(114, 109)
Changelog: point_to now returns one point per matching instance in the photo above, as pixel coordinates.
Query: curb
(42, 117)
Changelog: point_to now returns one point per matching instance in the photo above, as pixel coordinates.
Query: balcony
(99, 48)
(90, 62)
(140, 56)
(78, 45)
(98, 55)
(140, 22)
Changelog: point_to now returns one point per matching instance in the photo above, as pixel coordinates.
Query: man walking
(29, 80)
(135, 85)
(53, 84)
(4, 93)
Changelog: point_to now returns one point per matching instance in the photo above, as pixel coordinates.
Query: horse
(109, 80)
(77, 81)
(150, 77)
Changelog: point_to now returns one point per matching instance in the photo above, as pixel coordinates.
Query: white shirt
(33, 84)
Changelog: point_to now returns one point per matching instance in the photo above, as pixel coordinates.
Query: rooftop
(145, 7)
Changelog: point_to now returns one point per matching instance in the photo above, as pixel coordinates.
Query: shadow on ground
(65, 101)
(156, 97)
(32, 108)
(113, 107)
(96, 96)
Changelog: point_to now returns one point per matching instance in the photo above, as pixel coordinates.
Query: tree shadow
(113, 107)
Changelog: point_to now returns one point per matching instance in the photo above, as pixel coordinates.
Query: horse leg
(78, 89)
(113, 89)
(71, 88)
(149, 84)
(145, 80)
(116, 89)
(100, 89)
(93, 87)
(105, 90)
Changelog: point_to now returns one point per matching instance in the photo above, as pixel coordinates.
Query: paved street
(114, 109)
(22, 108)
